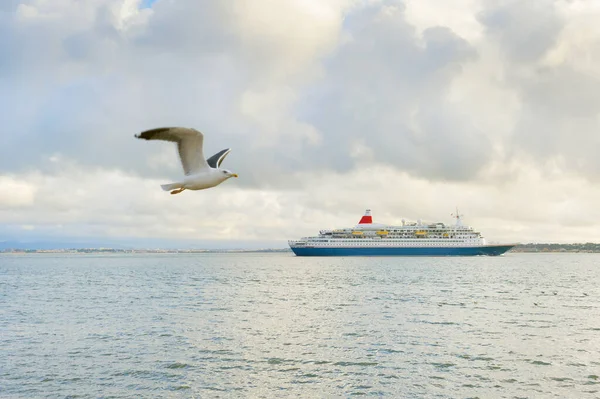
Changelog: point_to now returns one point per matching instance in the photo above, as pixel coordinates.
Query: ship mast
(457, 216)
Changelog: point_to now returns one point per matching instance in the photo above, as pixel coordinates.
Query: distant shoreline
(576, 247)
(139, 251)
(521, 248)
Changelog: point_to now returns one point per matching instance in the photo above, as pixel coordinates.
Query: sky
(408, 108)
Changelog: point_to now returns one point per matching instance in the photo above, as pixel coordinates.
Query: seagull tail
(171, 186)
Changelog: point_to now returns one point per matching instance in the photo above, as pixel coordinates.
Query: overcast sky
(409, 108)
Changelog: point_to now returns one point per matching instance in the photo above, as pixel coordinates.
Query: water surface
(276, 325)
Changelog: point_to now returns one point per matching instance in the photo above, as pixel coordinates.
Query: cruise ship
(410, 239)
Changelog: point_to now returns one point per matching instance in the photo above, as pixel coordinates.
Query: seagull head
(228, 173)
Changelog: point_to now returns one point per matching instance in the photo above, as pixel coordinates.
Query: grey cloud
(526, 30)
(569, 143)
(8, 5)
(190, 28)
(387, 87)
(559, 102)
(560, 91)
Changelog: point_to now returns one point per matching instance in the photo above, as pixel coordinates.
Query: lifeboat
(382, 233)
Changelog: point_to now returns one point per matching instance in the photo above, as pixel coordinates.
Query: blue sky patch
(147, 3)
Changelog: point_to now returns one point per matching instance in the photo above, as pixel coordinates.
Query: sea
(273, 325)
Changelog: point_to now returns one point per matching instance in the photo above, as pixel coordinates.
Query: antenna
(457, 216)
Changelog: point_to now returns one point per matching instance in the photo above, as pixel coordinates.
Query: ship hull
(484, 250)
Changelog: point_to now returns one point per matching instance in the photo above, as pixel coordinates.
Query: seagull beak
(234, 175)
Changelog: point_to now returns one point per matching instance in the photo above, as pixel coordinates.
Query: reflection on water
(275, 325)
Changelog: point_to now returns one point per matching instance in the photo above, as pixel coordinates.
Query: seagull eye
(225, 171)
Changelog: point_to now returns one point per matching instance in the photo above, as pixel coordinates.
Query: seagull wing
(216, 160)
(189, 144)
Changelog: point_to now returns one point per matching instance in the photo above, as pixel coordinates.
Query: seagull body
(199, 173)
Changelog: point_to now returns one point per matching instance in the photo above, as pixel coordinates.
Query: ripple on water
(540, 363)
(443, 366)
(177, 365)
(360, 364)
(593, 379)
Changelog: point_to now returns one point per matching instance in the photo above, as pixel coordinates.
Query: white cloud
(458, 15)
(113, 204)
(15, 193)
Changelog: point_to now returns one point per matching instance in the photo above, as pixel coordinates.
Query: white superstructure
(367, 234)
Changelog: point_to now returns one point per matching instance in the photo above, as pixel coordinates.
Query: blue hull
(488, 250)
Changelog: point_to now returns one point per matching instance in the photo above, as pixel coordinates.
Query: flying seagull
(199, 173)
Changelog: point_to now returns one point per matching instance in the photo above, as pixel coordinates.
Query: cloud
(75, 203)
(243, 80)
(555, 87)
(525, 31)
(329, 106)
(15, 193)
(105, 77)
(387, 87)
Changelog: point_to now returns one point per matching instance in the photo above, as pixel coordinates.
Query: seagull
(199, 173)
